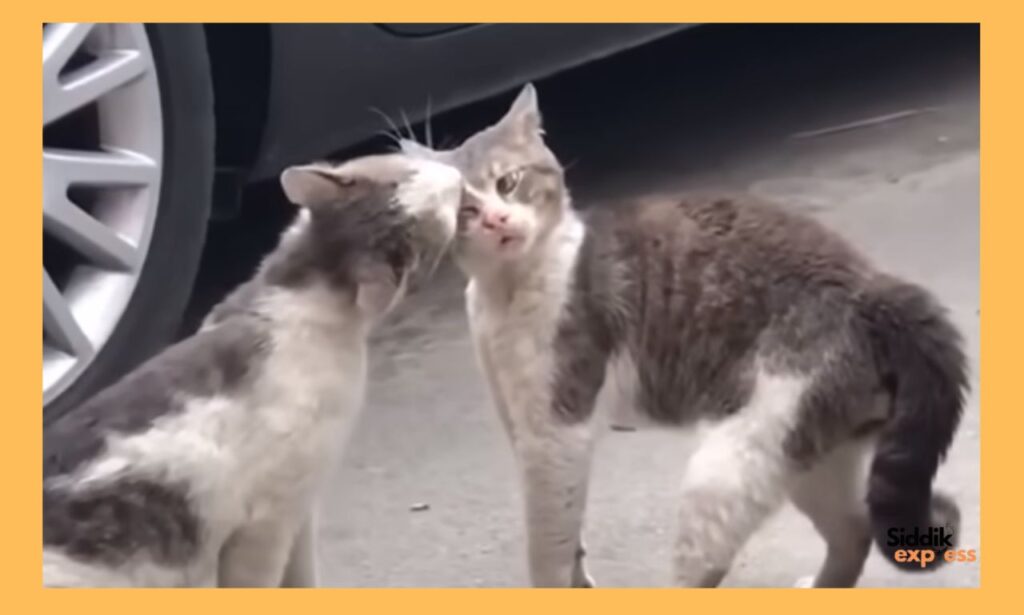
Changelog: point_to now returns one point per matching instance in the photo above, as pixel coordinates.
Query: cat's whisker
(408, 127)
(397, 141)
(428, 129)
(395, 133)
(436, 259)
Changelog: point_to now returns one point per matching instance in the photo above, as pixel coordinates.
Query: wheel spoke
(87, 235)
(60, 42)
(83, 168)
(112, 70)
(59, 323)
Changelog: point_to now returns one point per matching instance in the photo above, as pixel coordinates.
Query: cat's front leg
(256, 555)
(554, 467)
(301, 568)
(554, 463)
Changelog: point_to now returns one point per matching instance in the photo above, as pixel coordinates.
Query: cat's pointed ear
(313, 185)
(524, 114)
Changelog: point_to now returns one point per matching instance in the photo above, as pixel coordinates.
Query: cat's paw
(581, 578)
(584, 581)
(805, 582)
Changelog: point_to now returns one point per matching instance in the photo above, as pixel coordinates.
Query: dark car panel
(326, 78)
(424, 29)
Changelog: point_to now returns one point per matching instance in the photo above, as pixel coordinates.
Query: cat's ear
(313, 185)
(524, 114)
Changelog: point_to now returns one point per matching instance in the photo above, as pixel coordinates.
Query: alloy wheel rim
(102, 163)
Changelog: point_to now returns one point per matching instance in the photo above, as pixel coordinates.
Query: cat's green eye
(508, 182)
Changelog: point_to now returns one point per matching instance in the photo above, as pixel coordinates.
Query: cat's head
(369, 223)
(515, 190)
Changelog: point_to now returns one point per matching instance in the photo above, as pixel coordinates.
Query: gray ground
(714, 108)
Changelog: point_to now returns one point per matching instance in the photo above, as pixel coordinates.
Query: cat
(201, 466)
(813, 376)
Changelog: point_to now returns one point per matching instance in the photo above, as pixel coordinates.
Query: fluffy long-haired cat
(200, 468)
(818, 378)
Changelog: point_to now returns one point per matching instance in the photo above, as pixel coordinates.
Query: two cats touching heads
(815, 377)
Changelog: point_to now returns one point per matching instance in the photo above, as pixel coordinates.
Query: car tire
(164, 284)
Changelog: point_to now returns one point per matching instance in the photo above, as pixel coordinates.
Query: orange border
(1001, 216)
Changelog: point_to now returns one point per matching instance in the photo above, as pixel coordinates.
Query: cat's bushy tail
(919, 353)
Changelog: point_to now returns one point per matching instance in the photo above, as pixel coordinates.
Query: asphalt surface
(760, 109)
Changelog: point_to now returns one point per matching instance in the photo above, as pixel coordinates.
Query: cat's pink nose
(493, 221)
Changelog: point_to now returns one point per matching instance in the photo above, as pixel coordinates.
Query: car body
(151, 130)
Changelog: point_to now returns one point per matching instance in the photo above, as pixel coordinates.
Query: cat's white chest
(517, 330)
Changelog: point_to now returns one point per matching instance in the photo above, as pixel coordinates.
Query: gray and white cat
(200, 468)
(816, 377)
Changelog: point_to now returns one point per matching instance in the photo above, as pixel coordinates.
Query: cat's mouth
(470, 225)
(506, 241)
(498, 242)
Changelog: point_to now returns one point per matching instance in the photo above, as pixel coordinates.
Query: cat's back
(698, 288)
(120, 471)
(702, 239)
(215, 361)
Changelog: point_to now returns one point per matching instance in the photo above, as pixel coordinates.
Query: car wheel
(128, 161)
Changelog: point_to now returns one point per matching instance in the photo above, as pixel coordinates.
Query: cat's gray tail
(920, 356)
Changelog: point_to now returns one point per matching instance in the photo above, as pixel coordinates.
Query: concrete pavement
(716, 107)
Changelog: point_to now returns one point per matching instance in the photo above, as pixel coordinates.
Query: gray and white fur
(814, 377)
(201, 467)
